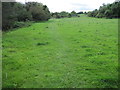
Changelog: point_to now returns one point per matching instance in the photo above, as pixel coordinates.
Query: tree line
(107, 11)
(14, 13)
(64, 14)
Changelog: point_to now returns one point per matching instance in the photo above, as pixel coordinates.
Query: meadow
(78, 52)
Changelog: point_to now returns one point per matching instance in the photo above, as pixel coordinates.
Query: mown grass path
(62, 53)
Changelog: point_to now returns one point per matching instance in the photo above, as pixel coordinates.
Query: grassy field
(79, 52)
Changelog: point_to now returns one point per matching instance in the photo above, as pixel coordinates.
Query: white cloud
(70, 5)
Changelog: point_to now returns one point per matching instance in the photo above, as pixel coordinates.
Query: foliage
(8, 15)
(108, 11)
(0, 15)
(56, 15)
(80, 13)
(31, 11)
(39, 11)
(21, 12)
(22, 24)
(74, 14)
(64, 14)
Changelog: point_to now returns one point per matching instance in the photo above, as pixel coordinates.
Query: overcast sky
(70, 5)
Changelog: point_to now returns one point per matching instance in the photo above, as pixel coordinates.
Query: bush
(15, 14)
(107, 11)
(18, 24)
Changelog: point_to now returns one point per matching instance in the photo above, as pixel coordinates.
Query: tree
(69, 15)
(39, 11)
(8, 15)
(0, 15)
(80, 13)
(73, 14)
(108, 11)
(14, 12)
(64, 14)
(21, 12)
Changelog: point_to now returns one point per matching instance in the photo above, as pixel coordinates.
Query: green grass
(76, 52)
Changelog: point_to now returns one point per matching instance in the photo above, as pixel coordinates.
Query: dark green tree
(73, 14)
(108, 11)
(39, 11)
(8, 15)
